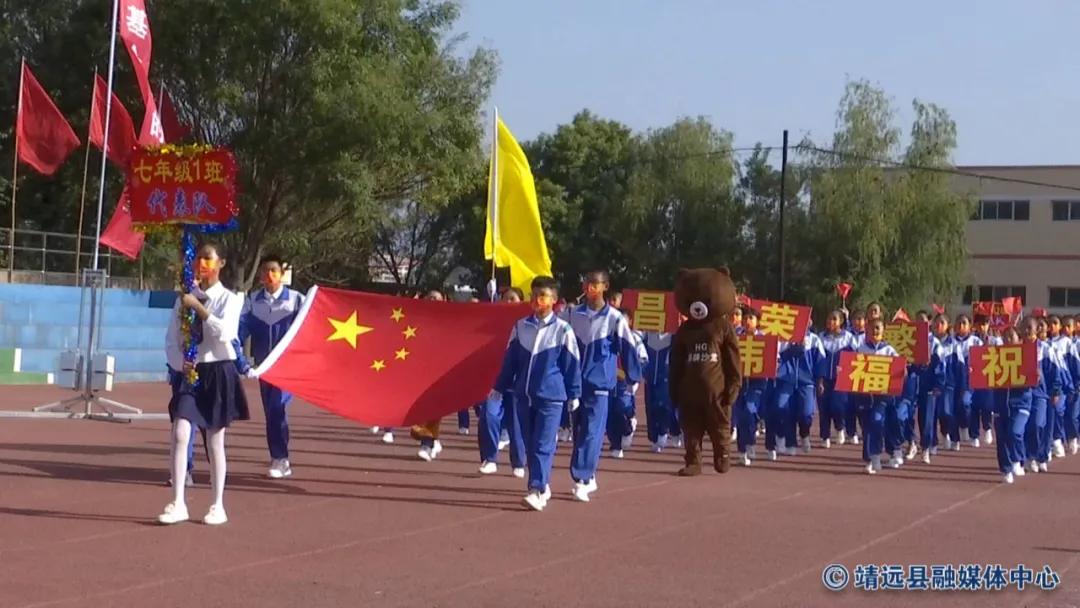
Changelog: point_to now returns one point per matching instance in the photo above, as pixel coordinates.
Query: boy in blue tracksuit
(1062, 345)
(873, 409)
(934, 389)
(1012, 409)
(542, 369)
(267, 316)
(963, 341)
(983, 403)
(603, 336)
(752, 395)
(498, 424)
(1046, 394)
(832, 404)
(622, 420)
(1072, 401)
(657, 400)
(794, 395)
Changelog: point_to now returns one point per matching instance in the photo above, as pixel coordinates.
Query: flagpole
(15, 176)
(105, 144)
(85, 171)
(494, 195)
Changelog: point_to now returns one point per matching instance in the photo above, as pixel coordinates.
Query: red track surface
(365, 524)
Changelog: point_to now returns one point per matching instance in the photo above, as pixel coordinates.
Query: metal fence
(55, 258)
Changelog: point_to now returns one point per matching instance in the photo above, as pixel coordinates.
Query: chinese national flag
(121, 128)
(388, 361)
(44, 139)
(119, 235)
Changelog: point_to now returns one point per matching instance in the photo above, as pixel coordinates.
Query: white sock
(215, 438)
(181, 435)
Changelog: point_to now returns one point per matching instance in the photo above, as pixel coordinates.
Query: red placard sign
(911, 340)
(870, 374)
(176, 186)
(757, 354)
(788, 322)
(1008, 366)
(652, 311)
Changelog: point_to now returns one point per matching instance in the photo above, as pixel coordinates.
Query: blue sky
(1007, 71)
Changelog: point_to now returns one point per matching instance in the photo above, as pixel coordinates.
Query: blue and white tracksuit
(603, 337)
(795, 391)
(658, 404)
(874, 409)
(933, 392)
(265, 319)
(748, 407)
(962, 394)
(542, 369)
(1072, 401)
(1012, 409)
(1055, 424)
(832, 404)
(622, 402)
(983, 401)
(1037, 438)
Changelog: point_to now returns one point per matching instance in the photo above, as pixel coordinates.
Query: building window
(1066, 211)
(995, 293)
(1019, 211)
(1065, 296)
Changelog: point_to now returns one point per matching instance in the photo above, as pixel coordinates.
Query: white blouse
(219, 329)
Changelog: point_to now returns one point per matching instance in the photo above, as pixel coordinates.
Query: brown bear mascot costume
(705, 374)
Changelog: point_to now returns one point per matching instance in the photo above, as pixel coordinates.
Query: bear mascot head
(704, 295)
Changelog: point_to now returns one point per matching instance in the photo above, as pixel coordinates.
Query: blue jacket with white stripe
(541, 361)
(658, 346)
(603, 336)
(266, 318)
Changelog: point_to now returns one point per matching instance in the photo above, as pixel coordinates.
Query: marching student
(217, 399)
(1062, 345)
(268, 314)
(872, 408)
(498, 424)
(1072, 405)
(935, 386)
(622, 417)
(428, 433)
(657, 400)
(542, 369)
(857, 321)
(1012, 408)
(751, 397)
(1044, 395)
(962, 342)
(603, 336)
(982, 400)
(794, 394)
(833, 405)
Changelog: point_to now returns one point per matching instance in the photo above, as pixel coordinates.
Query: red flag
(1039, 313)
(1013, 305)
(121, 128)
(389, 361)
(135, 32)
(152, 133)
(901, 315)
(170, 121)
(43, 138)
(119, 235)
(938, 309)
(843, 290)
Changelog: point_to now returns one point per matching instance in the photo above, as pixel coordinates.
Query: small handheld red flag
(843, 290)
(938, 309)
(901, 315)
(44, 139)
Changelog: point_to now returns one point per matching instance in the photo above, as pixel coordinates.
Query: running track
(361, 523)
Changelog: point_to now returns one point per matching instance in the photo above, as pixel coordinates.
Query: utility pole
(780, 233)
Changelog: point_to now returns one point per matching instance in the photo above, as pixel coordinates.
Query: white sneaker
(948, 444)
(926, 457)
(280, 469)
(519, 473)
(842, 438)
(488, 467)
(1074, 446)
(897, 458)
(896, 462)
(988, 437)
(504, 440)
(854, 440)
(617, 454)
(1042, 467)
(772, 455)
(1007, 477)
(870, 470)
(463, 430)
(933, 450)
(628, 440)
(791, 452)
(876, 461)
(374, 430)
(751, 451)
(758, 433)
(781, 445)
(1018, 469)
(734, 435)
(662, 440)
(535, 501)
(745, 459)
(215, 516)
(913, 451)
(679, 441)
(173, 514)
(388, 437)
(956, 446)
(563, 435)
(1033, 466)
(827, 442)
(436, 449)
(425, 454)
(975, 442)
(580, 492)
(964, 435)
(657, 448)
(592, 486)
(805, 445)
(546, 494)
(1059, 449)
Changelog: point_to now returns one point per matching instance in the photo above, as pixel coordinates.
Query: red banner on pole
(758, 356)
(1001, 316)
(787, 322)
(911, 340)
(196, 187)
(870, 374)
(1008, 366)
(653, 311)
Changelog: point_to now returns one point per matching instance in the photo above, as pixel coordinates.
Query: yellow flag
(514, 237)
